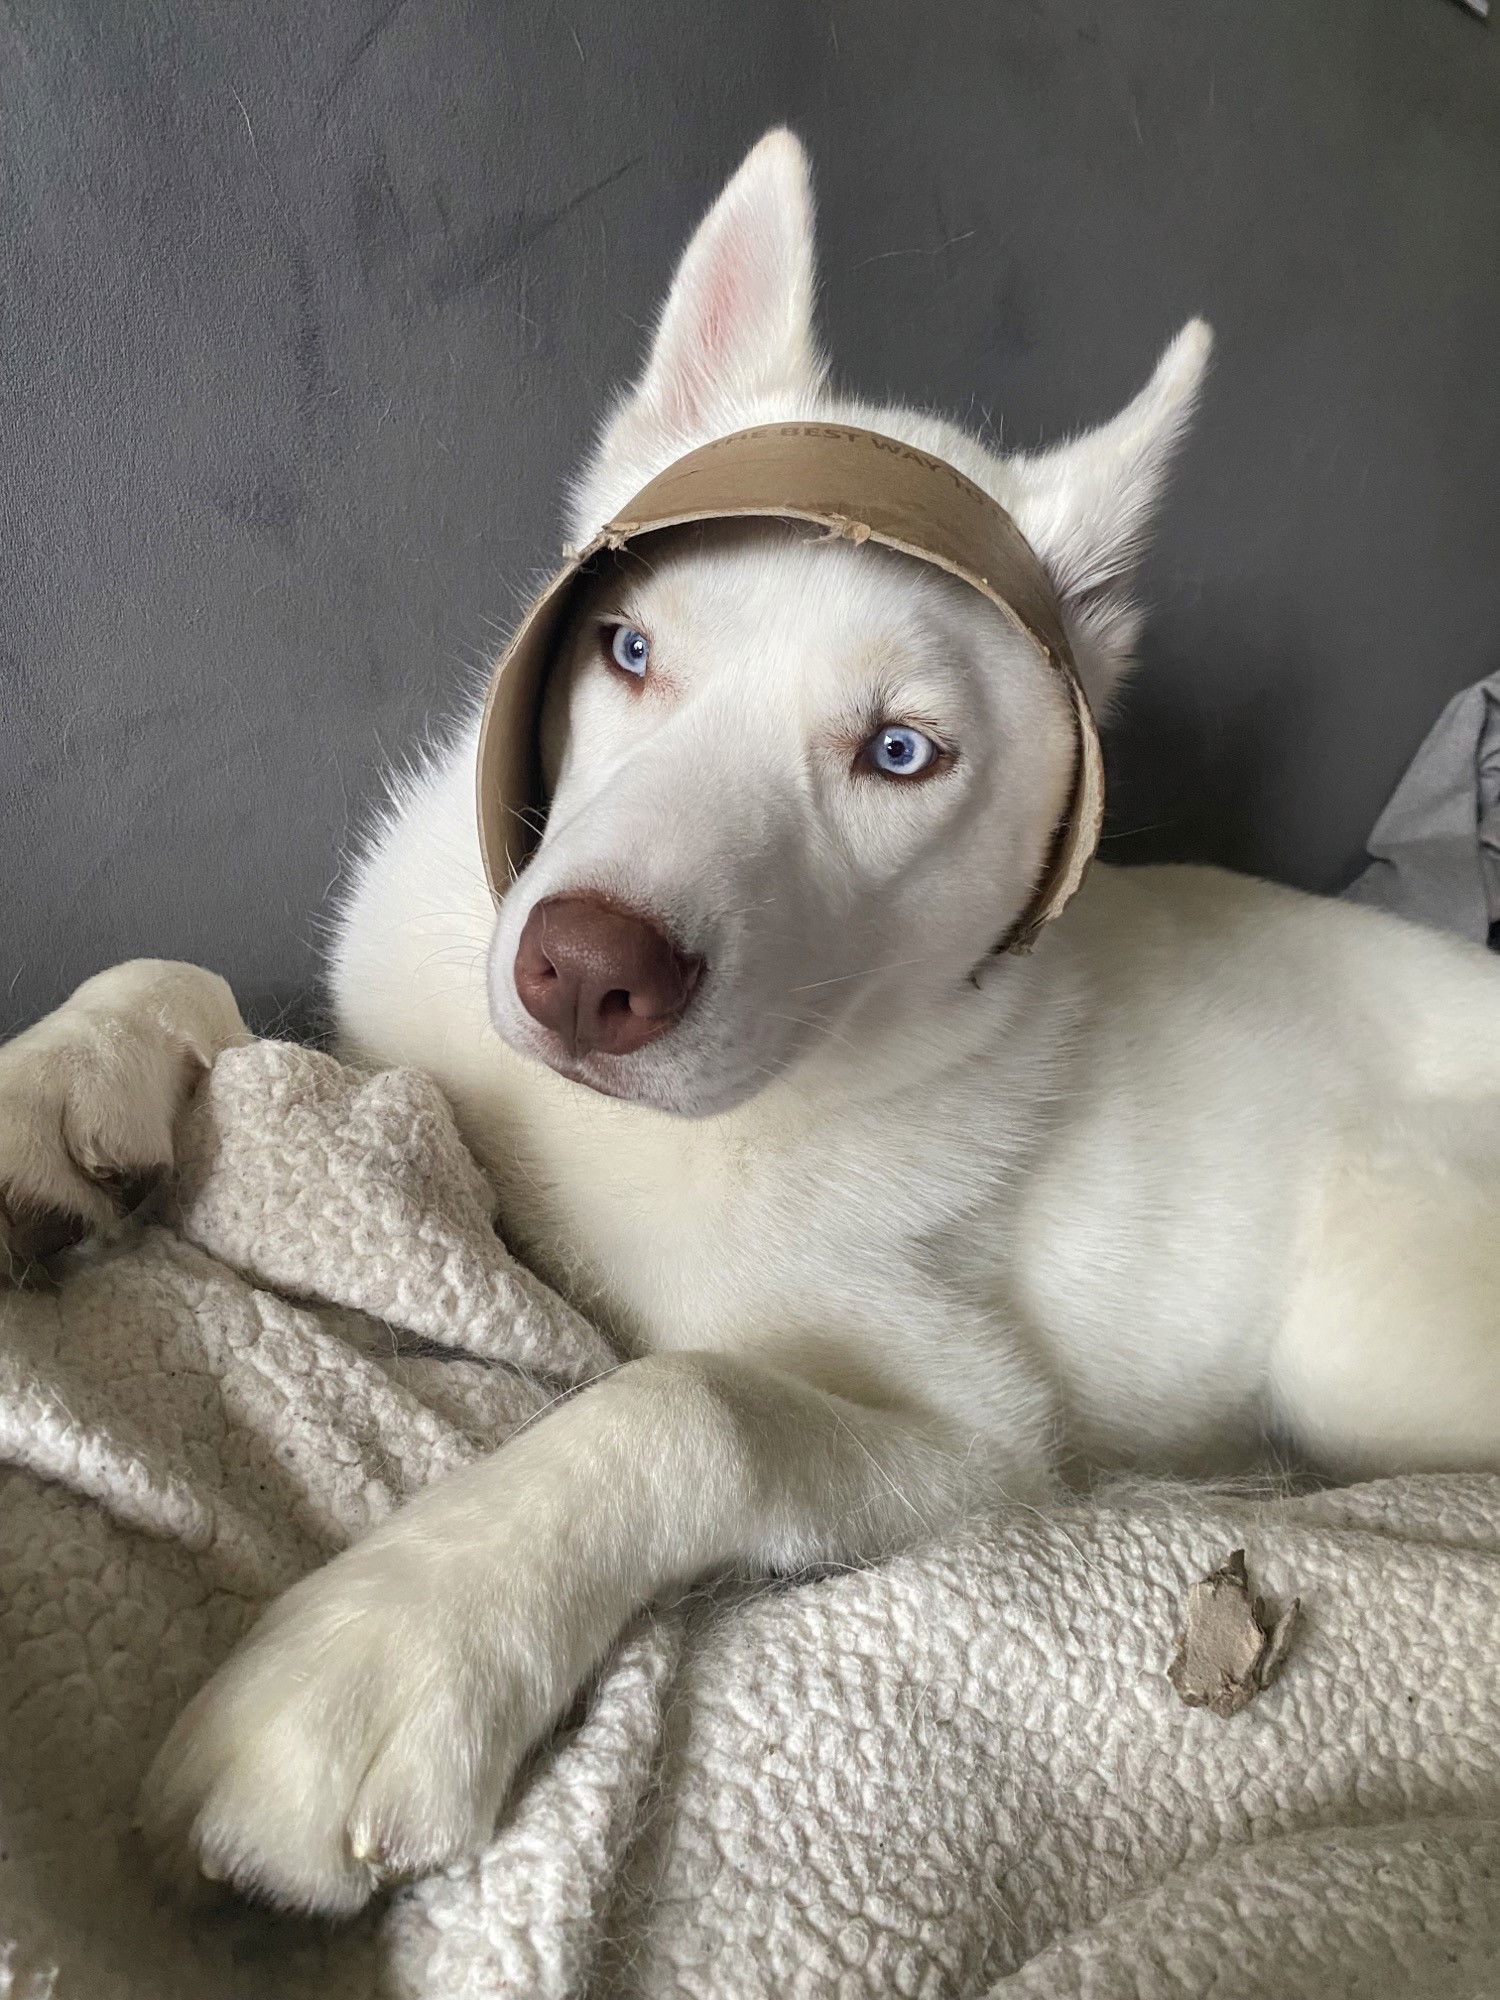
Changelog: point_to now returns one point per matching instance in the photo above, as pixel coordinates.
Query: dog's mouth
(667, 1012)
(607, 995)
(600, 1074)
(697, 1070)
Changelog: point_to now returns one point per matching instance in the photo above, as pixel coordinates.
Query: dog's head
(793, 780)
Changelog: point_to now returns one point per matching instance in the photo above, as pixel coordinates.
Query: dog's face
(795, 783)
(819, 774)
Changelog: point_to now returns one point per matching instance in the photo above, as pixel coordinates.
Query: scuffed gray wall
(309, 304)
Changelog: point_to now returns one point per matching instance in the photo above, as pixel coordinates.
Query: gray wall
(309, 303)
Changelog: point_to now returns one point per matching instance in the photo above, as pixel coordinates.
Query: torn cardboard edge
(1228, 1652)
(861, 487)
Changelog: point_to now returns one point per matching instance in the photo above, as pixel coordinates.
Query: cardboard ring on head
(855, 484)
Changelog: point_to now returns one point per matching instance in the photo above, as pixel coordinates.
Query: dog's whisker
(872, 971)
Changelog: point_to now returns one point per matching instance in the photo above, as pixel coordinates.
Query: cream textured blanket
(958, 1774)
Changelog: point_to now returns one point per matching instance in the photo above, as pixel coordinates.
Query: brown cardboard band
(854, 483)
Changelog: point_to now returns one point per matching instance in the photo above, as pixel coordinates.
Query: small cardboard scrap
(1229, 1651)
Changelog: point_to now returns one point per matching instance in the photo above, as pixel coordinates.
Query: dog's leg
(1389, 1357)
(372, 1724)
(88, 1098)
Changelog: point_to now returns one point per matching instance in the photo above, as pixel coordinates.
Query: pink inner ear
(717, 308)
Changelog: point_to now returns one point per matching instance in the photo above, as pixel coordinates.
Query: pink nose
(600, 978)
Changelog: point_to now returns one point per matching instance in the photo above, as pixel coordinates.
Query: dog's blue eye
(628, 648)
(898, 752)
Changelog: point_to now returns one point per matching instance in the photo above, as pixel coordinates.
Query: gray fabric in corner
(1435, 850)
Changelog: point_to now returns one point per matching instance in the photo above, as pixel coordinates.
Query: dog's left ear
(737, 328)
(1086, 508)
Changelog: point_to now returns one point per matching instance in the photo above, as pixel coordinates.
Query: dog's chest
(742, 1232)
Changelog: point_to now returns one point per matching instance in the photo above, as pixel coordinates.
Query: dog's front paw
(89, 1095)
(85, 1127)
(367, 1731)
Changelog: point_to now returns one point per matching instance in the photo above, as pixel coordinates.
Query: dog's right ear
(1086, 507)
(737, 327)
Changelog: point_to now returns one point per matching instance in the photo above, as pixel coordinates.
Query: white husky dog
(885, 1220)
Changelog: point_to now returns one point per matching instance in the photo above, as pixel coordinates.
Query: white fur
(1217, 1159)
